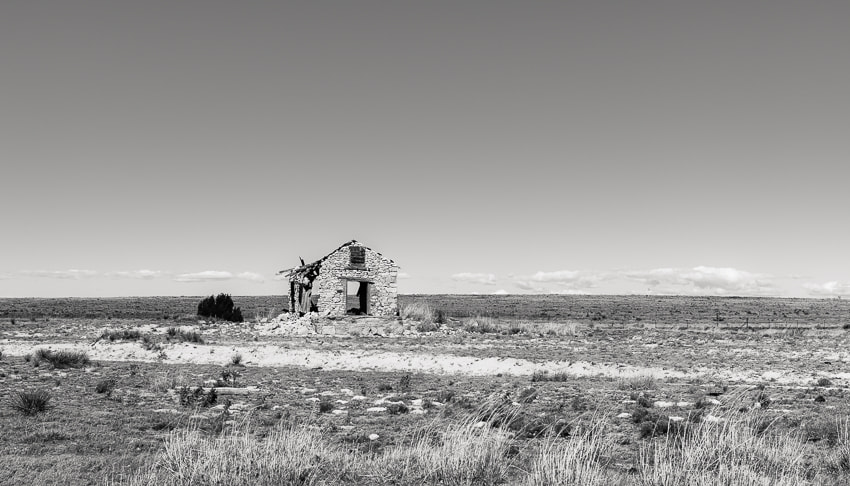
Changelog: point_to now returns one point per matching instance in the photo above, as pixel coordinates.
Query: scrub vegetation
(569, 399)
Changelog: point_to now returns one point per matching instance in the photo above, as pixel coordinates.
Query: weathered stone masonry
(352, 279)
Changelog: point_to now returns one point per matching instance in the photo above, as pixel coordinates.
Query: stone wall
(336, 269)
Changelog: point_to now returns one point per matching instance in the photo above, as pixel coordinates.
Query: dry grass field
(460, 390)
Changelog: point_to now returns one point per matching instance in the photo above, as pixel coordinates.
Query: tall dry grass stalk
(417, 311)
(732, 452)
(579, 460)
(288, 455)
(462, 455)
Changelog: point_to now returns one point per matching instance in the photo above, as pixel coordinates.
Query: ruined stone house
(351, 280)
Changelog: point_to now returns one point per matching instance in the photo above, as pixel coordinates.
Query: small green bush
(220, 307)
(31, 403)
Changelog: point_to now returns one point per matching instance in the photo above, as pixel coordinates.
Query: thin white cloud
(217, 275)
(705, 280)
(568, 281)
(205, 276)
(526, 285)
(557, 276)
(828, 289)
(252, 276)
(6, 276)
(60, 274)
(403, 275)
(500, 292)
(481, 278)
(566, 292)
(137, 274)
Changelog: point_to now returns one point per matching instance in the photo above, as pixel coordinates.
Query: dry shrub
(417, 311)
(31, 403)
(288, 455)
(637, 383)
(458, 455)
(731, 452)
(121, 335)
(483, 325)
(578, 460)
(168, 381)
(568, 329)
(61, 359)
(436, 454)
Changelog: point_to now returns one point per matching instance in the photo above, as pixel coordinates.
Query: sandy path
(360, 360)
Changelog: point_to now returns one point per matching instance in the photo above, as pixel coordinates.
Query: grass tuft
(61, 359)
(540, 376)
(123, 335)
(31, 403)
(184, 336)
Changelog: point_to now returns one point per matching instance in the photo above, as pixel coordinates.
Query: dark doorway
(356, 297)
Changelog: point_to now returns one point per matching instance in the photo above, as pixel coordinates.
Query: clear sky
(190, 147)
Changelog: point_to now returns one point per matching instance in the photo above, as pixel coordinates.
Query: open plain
(456, 390)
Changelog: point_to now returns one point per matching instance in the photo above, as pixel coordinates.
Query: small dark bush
(644, 401)
(397, 408)
(196, 397)
(150, 345)
(236, 360)
(126, 335)
(440, 317)
(106, 386)
(325, 406)
(528, 395)
(404, 383)
(578, 404)
(641, 414)
(220, 307)
(820, 399)
(445, 396)
(654, 426)
(187, 336)
(824, 382)
(427, 326)
(61, 359)
(384, 387)
(821, 430)
(228, 378)
(538, 376)
(31, 403)
(763, 400)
